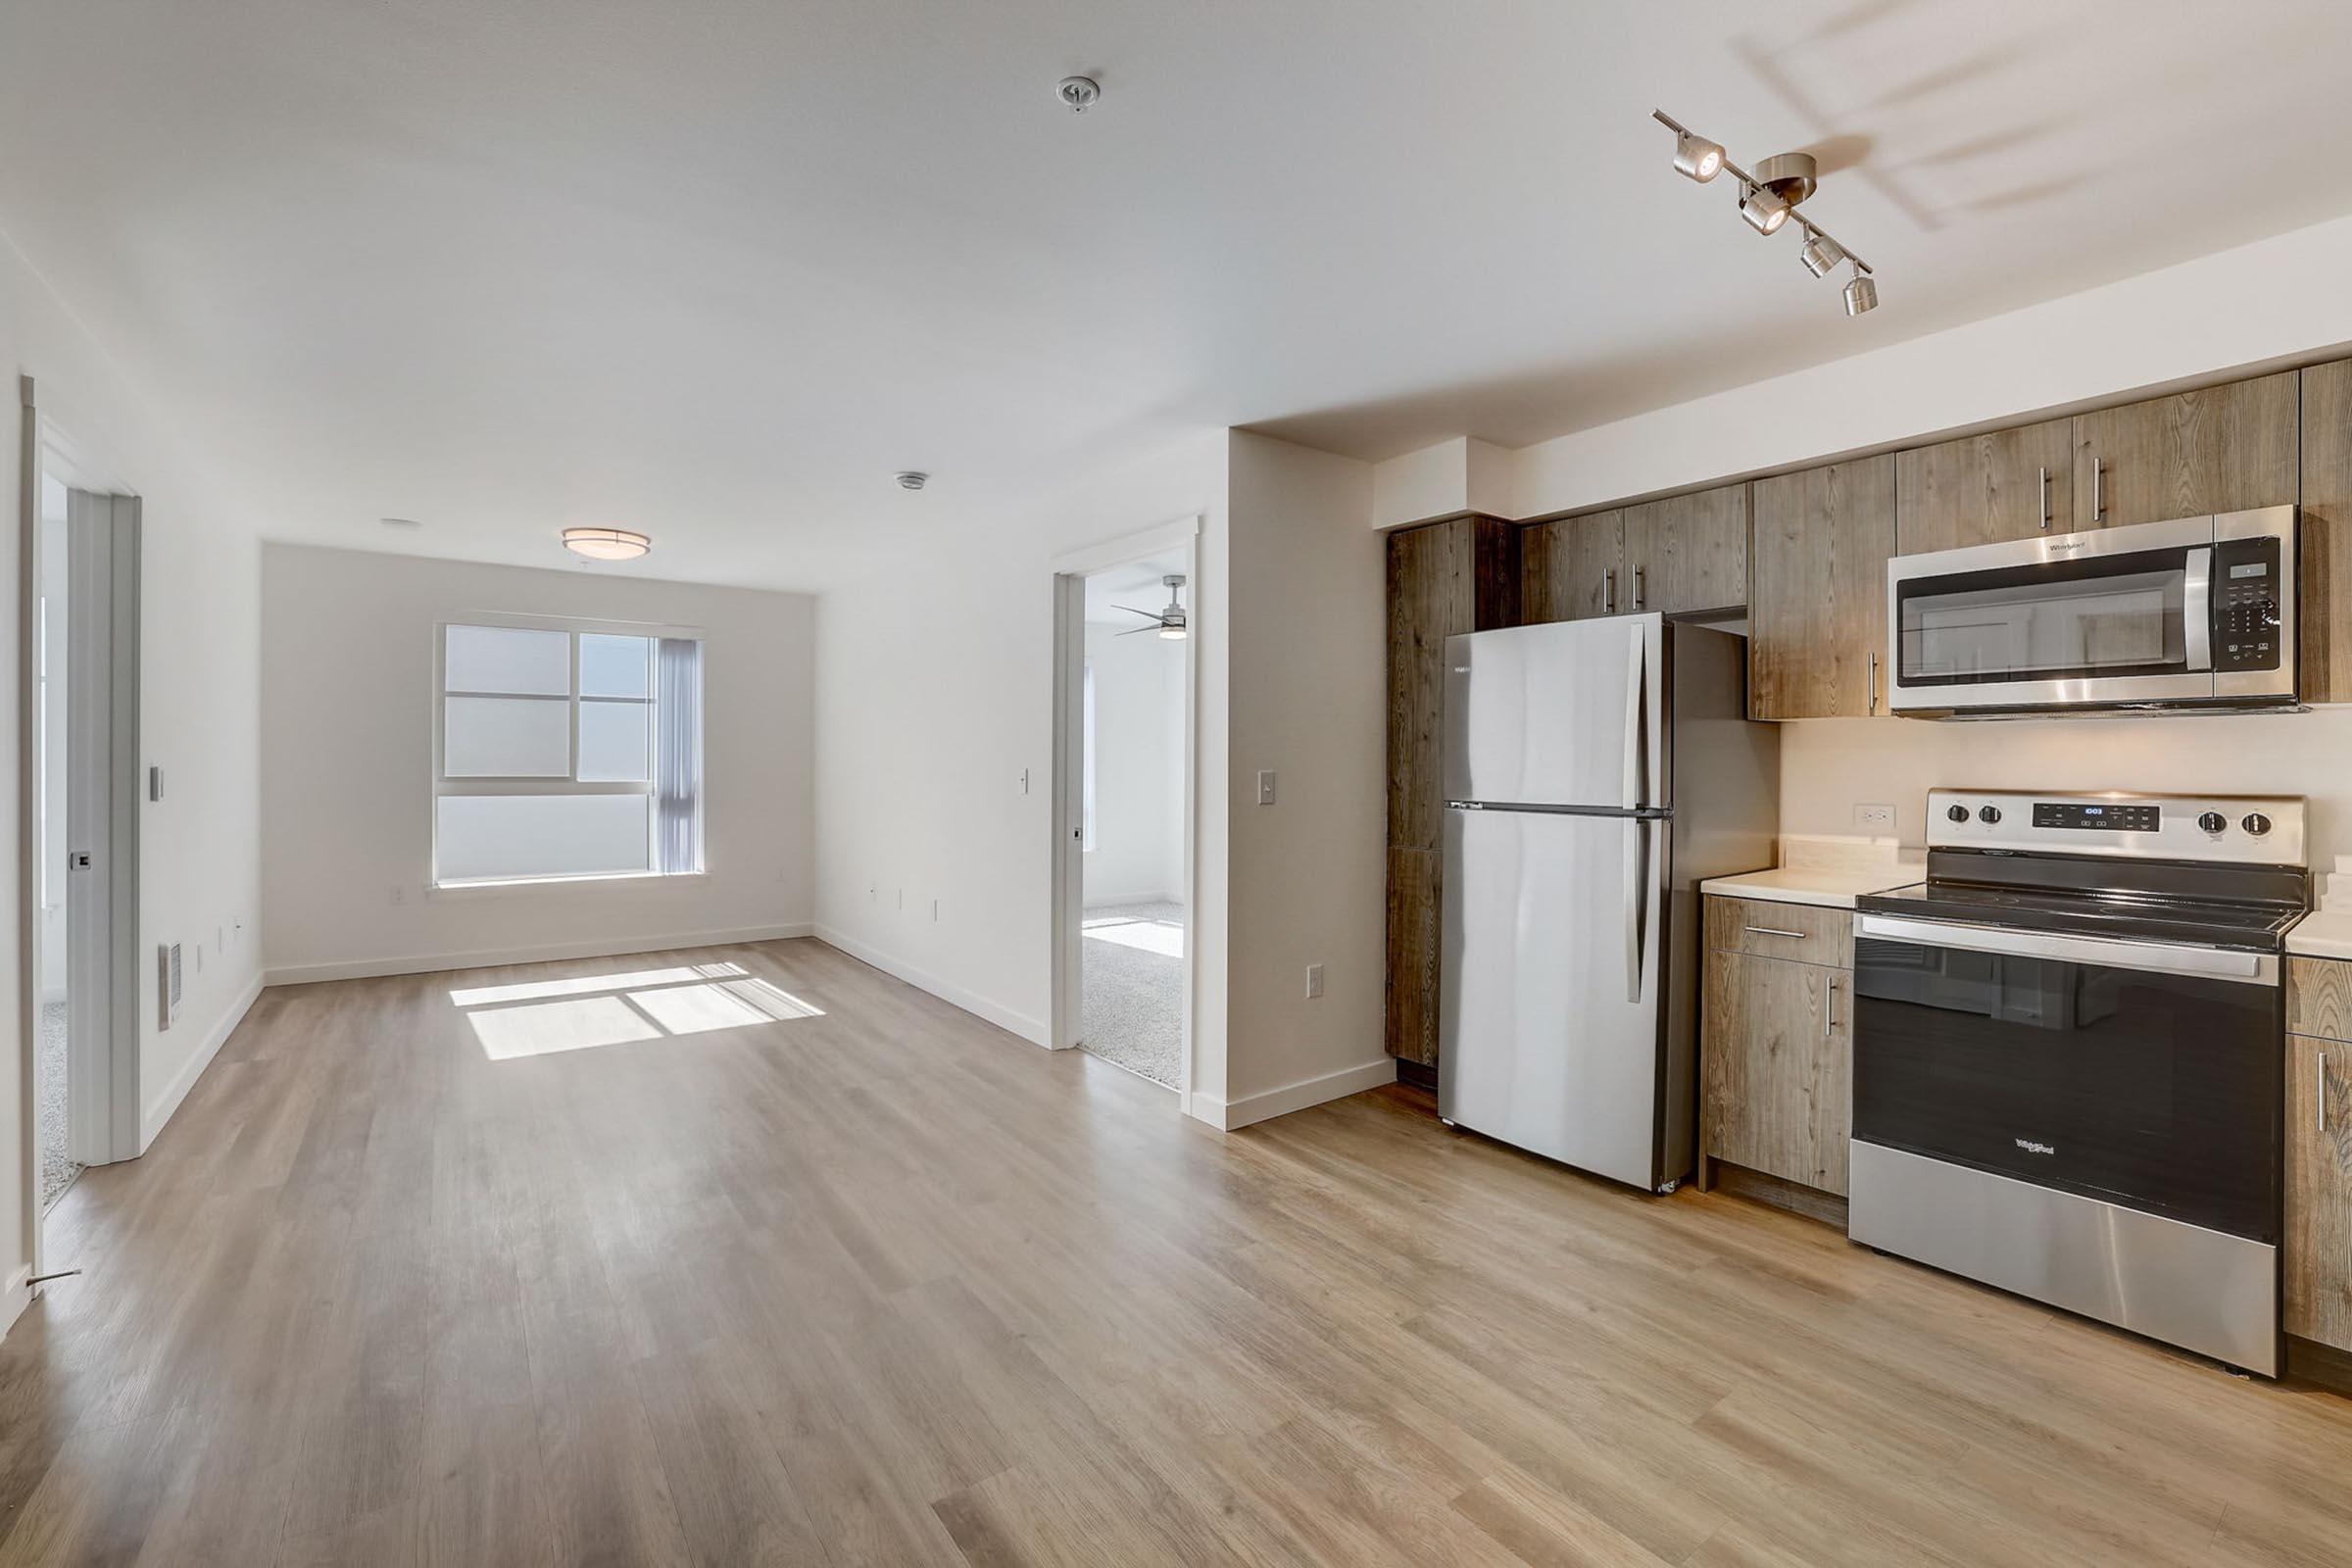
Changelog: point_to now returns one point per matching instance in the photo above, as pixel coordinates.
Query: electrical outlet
(1265, 786)
(1314, 981)
(400, 894)
(1875, 817)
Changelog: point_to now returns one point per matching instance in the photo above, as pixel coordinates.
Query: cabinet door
(2223, 449)
(1430, 597)
(1572, 567)
(2324, 542)
(1414, 883)
(1686, 553)
(1776, 1043)
(2318, 1260)
(1817, 617)
(1982, 489)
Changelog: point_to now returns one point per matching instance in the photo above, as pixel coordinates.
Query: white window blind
(564, 752)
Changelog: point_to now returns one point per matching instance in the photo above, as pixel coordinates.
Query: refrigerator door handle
(1636, 882)
(1636, 757)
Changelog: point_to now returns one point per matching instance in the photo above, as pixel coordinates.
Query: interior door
(1563, 714)
(1548, 1005)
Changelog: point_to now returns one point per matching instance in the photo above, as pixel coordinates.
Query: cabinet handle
(1874, 683)
(2099, 490)
(2045, 499)
(1608, 590)
(1637, 587)
(2322, 1090)
(1828, 1012)
(1774, 931)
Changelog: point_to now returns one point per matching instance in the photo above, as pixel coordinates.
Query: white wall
(935, 695)
(200, 720)
(1827, 766)
(1139, 768)
(347, 706)
(1309, 701)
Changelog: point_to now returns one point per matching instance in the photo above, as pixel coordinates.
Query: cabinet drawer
(1803, 931)
(2319, 998)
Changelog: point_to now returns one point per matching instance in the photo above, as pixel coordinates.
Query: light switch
(1265, 786)
(1314, 981)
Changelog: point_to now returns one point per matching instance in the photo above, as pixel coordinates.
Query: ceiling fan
(1168, 622)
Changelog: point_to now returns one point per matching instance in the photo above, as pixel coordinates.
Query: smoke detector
(1079, 92)
(913, 480)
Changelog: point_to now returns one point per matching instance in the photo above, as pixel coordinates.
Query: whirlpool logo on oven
(2033, 1148)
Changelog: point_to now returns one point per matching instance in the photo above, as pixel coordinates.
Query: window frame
(567, 782)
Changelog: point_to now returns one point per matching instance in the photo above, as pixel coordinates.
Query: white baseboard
(996, 1013)
(19, 1296)
(1230, 1114)
(299, 974)
(158, 1110)
(1109, 900)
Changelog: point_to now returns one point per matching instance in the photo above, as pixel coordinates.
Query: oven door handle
(2106, 952)
(2196, 610)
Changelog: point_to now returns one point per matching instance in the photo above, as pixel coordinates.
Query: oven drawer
(2157, 1089)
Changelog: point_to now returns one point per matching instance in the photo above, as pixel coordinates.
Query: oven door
(2145, 1075)
(2116, 614)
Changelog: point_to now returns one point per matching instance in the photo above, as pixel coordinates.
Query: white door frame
(110, 1128)
(1070, 572)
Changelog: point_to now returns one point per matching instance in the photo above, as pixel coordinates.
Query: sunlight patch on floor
(546, 1017)
(1164, 937)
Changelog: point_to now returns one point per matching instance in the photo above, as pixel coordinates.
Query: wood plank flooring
(883, 1285)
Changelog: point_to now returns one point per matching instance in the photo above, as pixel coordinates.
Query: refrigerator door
(1550, 1007)
(1568, 713)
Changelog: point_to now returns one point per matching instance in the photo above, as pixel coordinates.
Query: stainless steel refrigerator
(1596, 771)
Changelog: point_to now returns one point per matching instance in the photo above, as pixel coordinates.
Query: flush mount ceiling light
(607, 544)
(1769, 198)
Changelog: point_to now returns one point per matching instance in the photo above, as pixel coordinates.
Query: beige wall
(347, 713)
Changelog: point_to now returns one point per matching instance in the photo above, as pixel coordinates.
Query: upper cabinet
(2324, 541)
(2222, 449)
(1984, 489)
(1817, 613)
(1444, 578)
(1683, 554)
(1570, 566)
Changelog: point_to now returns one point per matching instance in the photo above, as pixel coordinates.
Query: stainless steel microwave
(2197, 613)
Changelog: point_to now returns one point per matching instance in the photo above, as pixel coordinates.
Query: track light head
(1696, 158)
(1861, 294)
(1821, 253)
(1765, 212)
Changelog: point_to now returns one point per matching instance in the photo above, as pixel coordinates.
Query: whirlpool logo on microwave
(2031, 1146)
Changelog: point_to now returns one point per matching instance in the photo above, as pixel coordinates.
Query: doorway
(1124, 783)
(80, 826)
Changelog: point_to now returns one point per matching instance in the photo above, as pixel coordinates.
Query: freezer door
(1561, 715)
(1549, 998)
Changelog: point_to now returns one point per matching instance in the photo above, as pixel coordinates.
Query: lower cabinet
(2318, 1263)
(1776, 1058)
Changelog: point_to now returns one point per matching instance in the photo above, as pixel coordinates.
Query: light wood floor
(887, 1285)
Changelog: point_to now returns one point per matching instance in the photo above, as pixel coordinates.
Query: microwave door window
(2110, 625)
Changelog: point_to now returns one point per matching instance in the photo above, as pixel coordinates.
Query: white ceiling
(718, 270)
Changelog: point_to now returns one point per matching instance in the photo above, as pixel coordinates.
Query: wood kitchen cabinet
(2323, 537)
(1986, 489)
(2317, 1260)
(1683, 554)
(1776, 1044)
(1448, 577)
(2227, 448)
(1817, 607)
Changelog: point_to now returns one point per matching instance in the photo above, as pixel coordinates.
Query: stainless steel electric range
(2069, 1056)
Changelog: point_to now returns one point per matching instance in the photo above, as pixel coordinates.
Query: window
(565, 754)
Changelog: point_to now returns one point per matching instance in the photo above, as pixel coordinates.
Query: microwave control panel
(2245, 604)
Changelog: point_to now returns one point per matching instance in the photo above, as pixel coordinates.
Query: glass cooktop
(2121, 916)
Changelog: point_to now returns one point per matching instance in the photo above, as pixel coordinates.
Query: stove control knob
(2256, 823)
(2213, 822)
(1988, 815)
(1958, 813)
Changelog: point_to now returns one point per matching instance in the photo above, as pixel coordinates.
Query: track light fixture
(1769, 198)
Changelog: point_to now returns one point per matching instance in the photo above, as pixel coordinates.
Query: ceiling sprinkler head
(1079, 92)
(913, 480)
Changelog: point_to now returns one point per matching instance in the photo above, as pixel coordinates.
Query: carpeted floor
(1132, 991)
(49, 1091)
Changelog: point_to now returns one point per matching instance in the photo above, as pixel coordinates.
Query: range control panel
(2238, 829)
(2245, 604)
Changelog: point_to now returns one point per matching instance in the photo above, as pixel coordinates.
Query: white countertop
(1833, 887)
(2322, 934)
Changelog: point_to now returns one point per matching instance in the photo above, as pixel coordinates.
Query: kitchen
(2158, 773)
